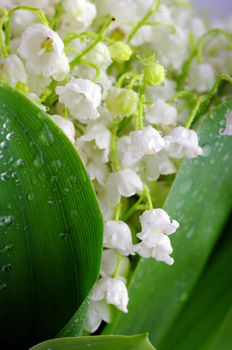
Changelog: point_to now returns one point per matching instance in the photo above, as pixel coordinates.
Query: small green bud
(120, 51)
(122, 101)
(154, 74)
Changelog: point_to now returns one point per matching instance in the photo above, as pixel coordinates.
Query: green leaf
(201, 200)
(206, 320)
(50, 225)
(117, 342)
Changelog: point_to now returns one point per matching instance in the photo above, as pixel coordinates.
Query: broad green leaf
(204, 322)
(117, 342)
(50, 225)
(200, 199)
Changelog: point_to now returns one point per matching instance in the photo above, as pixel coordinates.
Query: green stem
(139, 118)
(117, 211)
(99, 38)
(197, 52)
(148, 196)
(94, 66)
(143, 20)
(133, 208)
(123, 77)
(57, 15)
(182, 94)
(113, 149)
(82, 36)
(196, 108)
(116, 272)
(213, 90)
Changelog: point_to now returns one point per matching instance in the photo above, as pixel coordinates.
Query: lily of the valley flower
(117, 235)
(124, 183)
(98, 311)
(161, 113)
(182, 142)
(43, 51)
(12, 70)
(81, 97)
(78, 15)
(66, 125)
(160, 251)
(110, 262)
(138, 144)
(156, 226)
(113, 291)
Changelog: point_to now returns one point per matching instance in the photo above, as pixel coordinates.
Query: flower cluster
(124, 80)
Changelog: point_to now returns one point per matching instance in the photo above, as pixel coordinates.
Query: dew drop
(206, 150)
(31, 196)
(6, 268)
(185, 186)
(226, 157)
(3, 144)
(39, 161)
(4, 176)
(2, 286)
(20, 163)
(57, 164)
(6, 249)
(6, 220)
(65, 234)
(9, 136)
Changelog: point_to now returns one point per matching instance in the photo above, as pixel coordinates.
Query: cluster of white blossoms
(124, 80)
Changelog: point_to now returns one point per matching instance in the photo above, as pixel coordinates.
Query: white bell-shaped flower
(81, 97)
(100, 55)
(160, 251)
(161, 113)
(12, 70)
(98, 311)
(146, 141)
(21, 20)
(66, 125)
(171, 48)
(110, 261)
(113, 291)
(125, 183)
(155, 223)
(43, 51)
(163, 92)
(78, 15)
(201, 77)
(117, 235)
(182, 142)
(101, 136)
(138, 144)
(155, 165)
(94, 147)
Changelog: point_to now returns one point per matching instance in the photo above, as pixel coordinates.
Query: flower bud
(122, 101)
(154, 74)
(120, 51)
